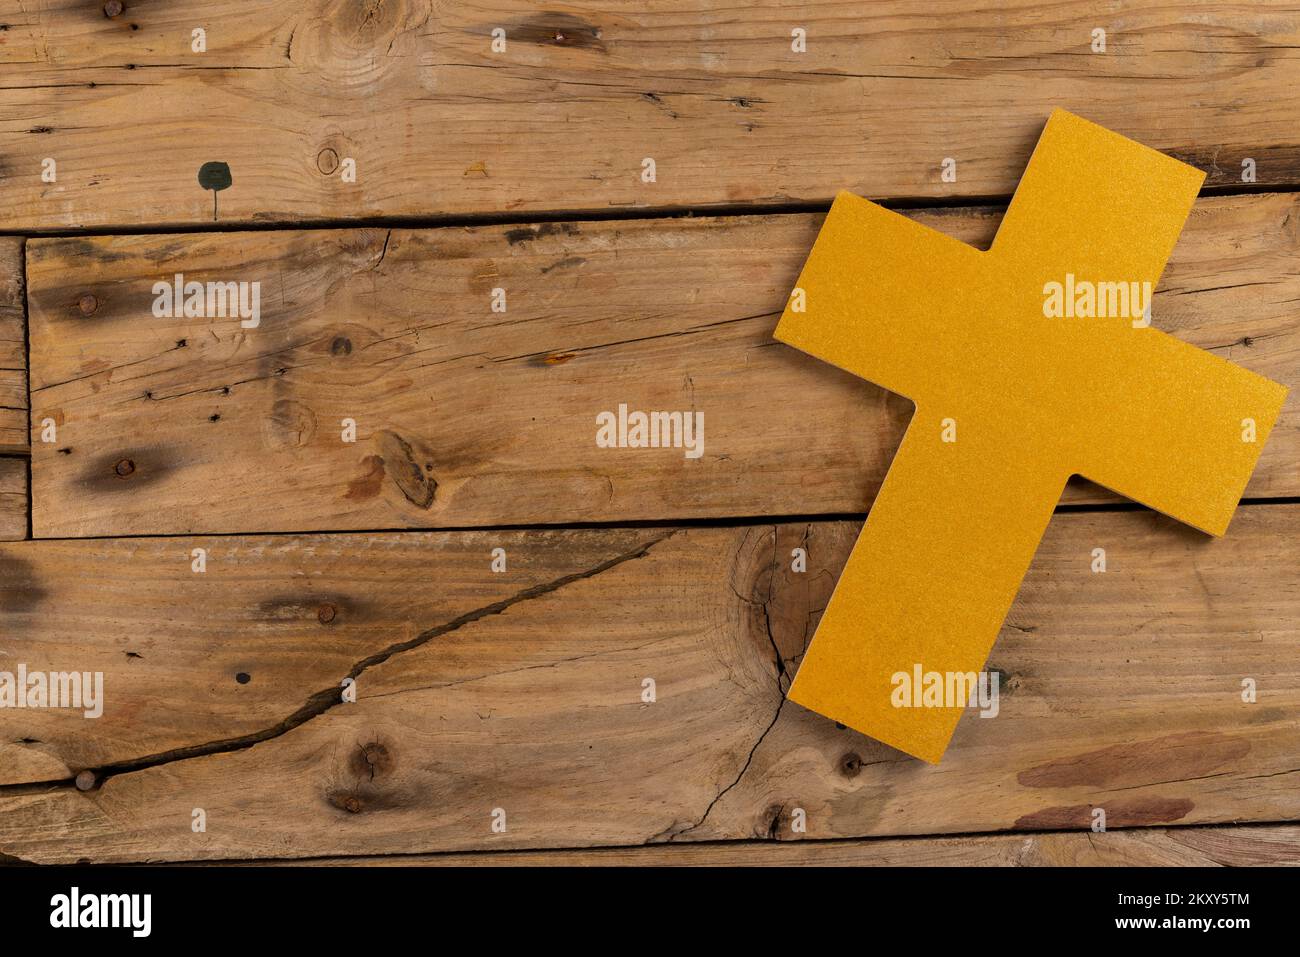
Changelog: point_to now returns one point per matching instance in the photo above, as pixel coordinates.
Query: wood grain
(523, 691)
(1228, 846)
(13, 347)
(561, 120)
(467, 417)
(13, 499)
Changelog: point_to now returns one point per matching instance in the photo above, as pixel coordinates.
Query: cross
(1013, 394)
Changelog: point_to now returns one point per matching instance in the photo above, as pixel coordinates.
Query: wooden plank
(1228, 846)
(13, 347)
(439, 124)
(523, 691)
(13, 499)
(468, 417)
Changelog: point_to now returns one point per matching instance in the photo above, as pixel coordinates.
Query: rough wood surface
(13, 347)
(523, 691)
(13, 499)
(468, 417)
(1228, 846)
(561, 120)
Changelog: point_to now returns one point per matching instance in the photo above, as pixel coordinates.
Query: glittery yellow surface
(1025, 399)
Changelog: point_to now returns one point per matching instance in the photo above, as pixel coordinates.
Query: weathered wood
(468, 417)
(1121, 690)
(437, 123)
(13, 348)
(1241, 846)
(13, 499)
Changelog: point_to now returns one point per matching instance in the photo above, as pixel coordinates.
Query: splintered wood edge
(13, 348)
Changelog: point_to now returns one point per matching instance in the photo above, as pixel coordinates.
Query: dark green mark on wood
(216, 177)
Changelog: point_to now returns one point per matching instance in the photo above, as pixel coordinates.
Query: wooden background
(521, 690)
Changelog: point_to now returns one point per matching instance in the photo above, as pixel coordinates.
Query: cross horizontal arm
(1171, 426)
(875, 297)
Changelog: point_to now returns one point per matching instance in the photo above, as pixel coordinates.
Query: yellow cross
(1025, 368)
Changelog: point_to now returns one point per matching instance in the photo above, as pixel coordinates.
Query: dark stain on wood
(556, 30)
(1133, 812)
(1268, 715)
(1222, 163)
(125, 471)
(568, 262)
(1175, 757)
(290, 425)
(372, 760)
(19, 589)
(770, 822)
(346, 801)
(367, 795)
(555, 358)
(367, 485)
(410, 472)
(526, 234)
(83, 250)
(1008, 684)
(320, 609)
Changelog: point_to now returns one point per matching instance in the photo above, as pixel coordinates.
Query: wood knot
(372, 760)
(405, 468)
(327, 161)
(562, 29)
(851, 764)
(291, 425)
(341, 346)
(773, 816)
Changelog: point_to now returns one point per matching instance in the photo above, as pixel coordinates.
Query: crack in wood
(327, 698)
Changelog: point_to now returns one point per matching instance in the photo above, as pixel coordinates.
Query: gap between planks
(1225, 844)
(723, 521)
(994, 202)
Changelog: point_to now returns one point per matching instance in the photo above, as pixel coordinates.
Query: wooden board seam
(996, 203)
(688, 847)
(724, 521)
